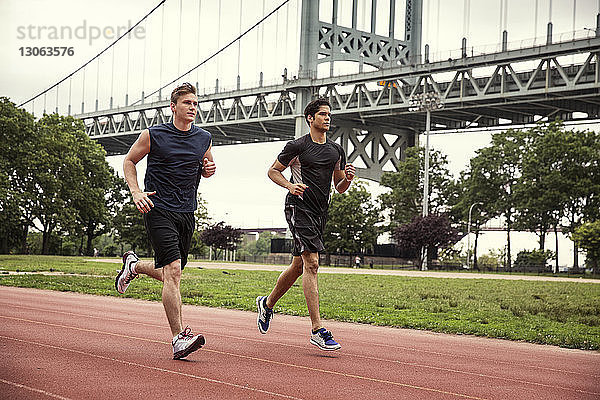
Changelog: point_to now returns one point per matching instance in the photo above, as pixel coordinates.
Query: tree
(221, 236)
(98, 195)
(259, 247)
(587, 236)
(404, 201)
(351, 225)
(542, 188)
(469, 197)
(580, 169)
(17, 144)
(57, 175)
(494, 173)
(129, 227)
(426, 232)
(202, 220)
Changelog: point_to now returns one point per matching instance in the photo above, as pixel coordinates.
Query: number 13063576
(46, 51)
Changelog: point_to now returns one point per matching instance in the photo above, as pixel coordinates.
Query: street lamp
(469, 235)
(429, 101)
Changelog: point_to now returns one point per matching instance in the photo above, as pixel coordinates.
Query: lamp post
(429, 101)
(469, 236)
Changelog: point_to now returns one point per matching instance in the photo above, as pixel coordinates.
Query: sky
(240, 193)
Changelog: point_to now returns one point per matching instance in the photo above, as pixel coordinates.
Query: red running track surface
(58, 345)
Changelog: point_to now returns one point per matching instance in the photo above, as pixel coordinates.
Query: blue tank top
(175, 166)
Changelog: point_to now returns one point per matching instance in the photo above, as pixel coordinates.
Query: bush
(533, 261)
(110, 250)
(491, 261)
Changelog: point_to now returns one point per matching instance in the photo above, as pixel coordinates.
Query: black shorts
(307, 229)
(170, 234)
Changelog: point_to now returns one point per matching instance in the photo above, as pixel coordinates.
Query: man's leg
(285, 281)
(311, 287)
(320, 337)
(171, 296)
(184, 342)
(147, 268)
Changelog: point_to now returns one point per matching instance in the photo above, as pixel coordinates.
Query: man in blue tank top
(314, 160)
(179, 153)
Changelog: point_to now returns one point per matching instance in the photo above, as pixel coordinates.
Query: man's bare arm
(275, 174)
(342, 178)
(208, 164)
(138, 150)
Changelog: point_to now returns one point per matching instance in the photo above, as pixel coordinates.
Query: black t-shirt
(175, 165)
(312, 164)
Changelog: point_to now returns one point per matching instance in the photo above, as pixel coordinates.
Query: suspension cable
(96, 56)
(218, 51)
(240, 42)
(199, 25)
(535, 24)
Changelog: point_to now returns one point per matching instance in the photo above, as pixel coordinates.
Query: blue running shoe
(323, 339)
(264, 314)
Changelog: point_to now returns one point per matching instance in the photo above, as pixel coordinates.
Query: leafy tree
(351, 225)
(259, 247)
(99, 194)
(469, 197)
(17, 144)
(404, 201)
(580, 169)
(587, 236)
(221, 236)
(57, 175)
(202, 220)
(431, 231)
(129, 228)
(494, 174)
(542, 188)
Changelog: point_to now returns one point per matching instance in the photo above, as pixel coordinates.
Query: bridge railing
(479, 50)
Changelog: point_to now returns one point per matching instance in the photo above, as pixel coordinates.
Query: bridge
(519, 83)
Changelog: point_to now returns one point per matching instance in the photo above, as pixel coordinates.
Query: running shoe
(126, 275)
(264, 314)
(323, 339)
(186, 343)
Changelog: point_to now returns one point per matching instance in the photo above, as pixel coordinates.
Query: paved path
(57, 345)
(337, 270)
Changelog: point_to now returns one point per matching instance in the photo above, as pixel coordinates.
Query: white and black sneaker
(126, 275)
(323, 339)
(264, 314)
(185, 343)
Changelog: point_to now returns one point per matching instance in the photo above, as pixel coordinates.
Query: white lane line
(427, 389)
(403, 348)
(32, 389)
(151, 367)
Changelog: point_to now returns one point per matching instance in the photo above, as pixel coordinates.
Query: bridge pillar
(376, 149)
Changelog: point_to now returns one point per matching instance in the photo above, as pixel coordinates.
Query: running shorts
(170, 234)
(306, 228)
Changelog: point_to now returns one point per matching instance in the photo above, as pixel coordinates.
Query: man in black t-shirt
(314, 161)
(179, 153)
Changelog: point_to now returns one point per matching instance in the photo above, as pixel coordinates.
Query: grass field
(566, 314)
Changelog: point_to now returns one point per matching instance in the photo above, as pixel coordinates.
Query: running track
(58, 345)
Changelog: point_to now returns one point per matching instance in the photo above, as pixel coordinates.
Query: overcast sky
(240, 193)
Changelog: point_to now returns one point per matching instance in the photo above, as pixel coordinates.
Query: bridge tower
(324, 42)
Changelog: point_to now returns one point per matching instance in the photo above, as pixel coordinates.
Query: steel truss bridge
(371, 117)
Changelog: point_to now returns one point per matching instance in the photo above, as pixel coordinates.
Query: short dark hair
(313, 107)
(184, 88)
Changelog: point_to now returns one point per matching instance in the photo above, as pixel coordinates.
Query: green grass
(566, 314)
